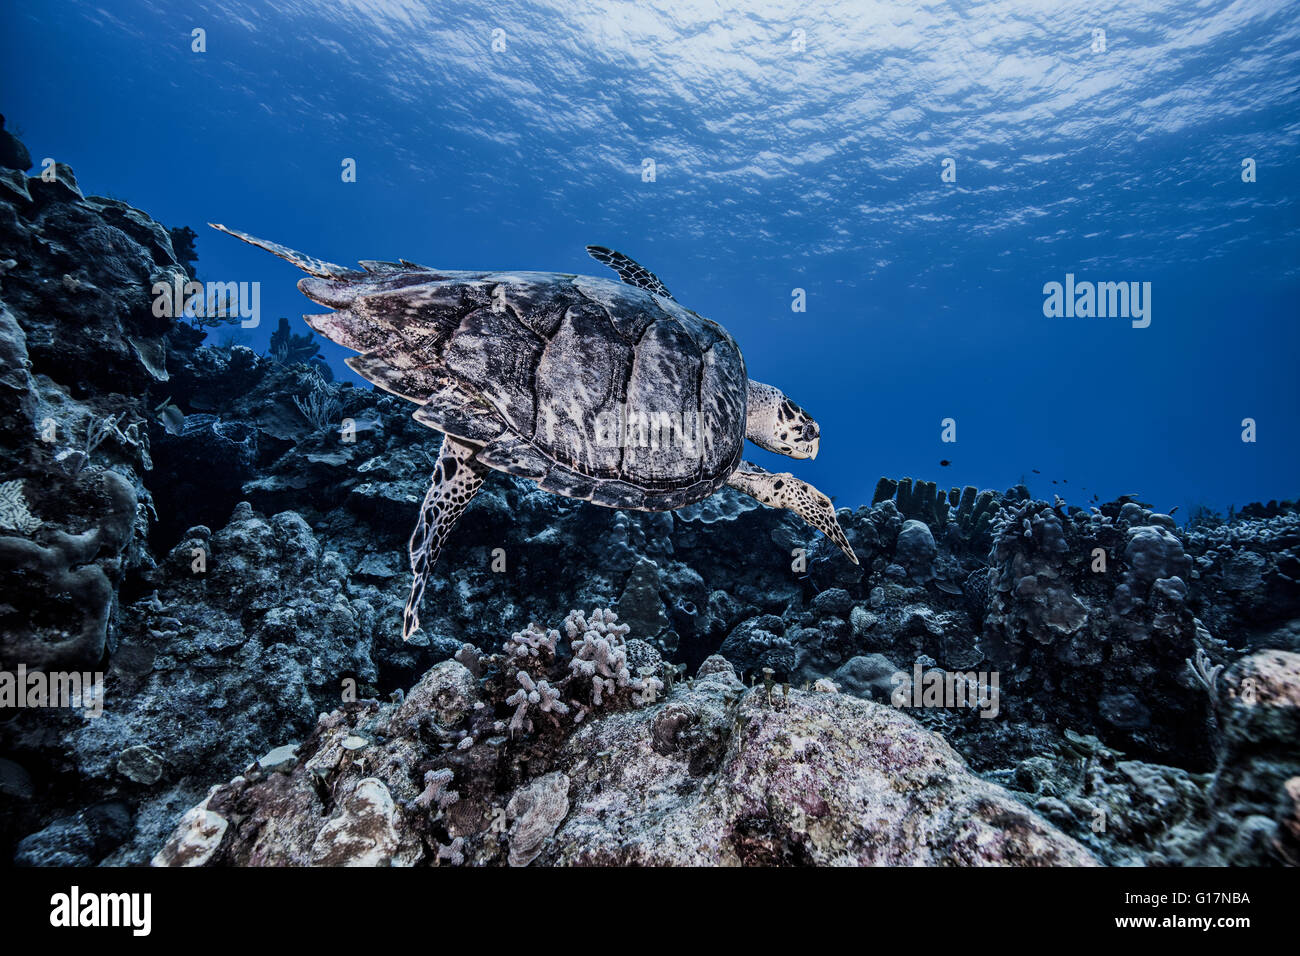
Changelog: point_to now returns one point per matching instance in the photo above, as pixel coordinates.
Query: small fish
(1036, 471)
(944, 463)
(1173, 509)
(172, 418)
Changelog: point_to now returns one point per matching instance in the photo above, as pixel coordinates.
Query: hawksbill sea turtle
(609, 392)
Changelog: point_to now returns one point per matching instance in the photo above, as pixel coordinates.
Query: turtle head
(775, 423)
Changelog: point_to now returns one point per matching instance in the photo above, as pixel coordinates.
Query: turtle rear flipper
(629, 270)
(309, 264)
(456, 479)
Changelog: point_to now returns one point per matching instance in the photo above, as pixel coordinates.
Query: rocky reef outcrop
(221, 536)
(712, 774)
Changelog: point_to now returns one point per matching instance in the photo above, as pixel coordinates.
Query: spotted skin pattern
(776, 424)
(629, 270)
(456, 479)
(784, 490)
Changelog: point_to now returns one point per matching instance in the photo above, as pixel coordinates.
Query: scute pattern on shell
(537, 367)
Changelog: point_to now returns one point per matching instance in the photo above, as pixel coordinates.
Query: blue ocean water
(795, 146)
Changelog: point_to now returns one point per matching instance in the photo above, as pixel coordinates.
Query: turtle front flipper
(456, 479)
(786, 491)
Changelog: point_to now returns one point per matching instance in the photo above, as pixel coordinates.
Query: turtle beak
(815, 447)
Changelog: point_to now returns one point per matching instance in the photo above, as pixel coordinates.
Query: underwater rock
(84, 340)
(196, 838)
(808, 778)
(1087, 611)
(725, 506)
(179, 696)
(1152, 553)
(915, 549)
(833, 602)
(72, 419)
(758, 643)
(385, 771)
(1259, 713)
(200, 470)
(1244, 813)
(361, 833)
(815, 779)
(60, 571)
(640, 606)
(78, 840)
(281, 758)
(141, 765)
(869, 676)
(13, 154)
(1125, 811)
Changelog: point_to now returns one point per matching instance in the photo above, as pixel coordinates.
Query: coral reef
(291, 348)
(1093, 611)
(712, 774)
(179, 518)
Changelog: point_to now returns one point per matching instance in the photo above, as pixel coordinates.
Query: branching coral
(598, 653)
(74, 460)
(14, 515)
(453, 853)
(533, 693)
(532, 645)
(1205, 672)
(596, 675)
(321, 407)
(600, 659)
(435, 791)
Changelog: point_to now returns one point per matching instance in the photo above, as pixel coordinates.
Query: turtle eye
(809, 431)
